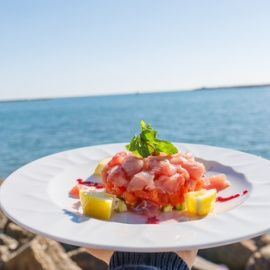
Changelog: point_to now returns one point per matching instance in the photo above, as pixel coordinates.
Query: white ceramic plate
(36, 197)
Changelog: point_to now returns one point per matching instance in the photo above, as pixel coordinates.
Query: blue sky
(76, 48)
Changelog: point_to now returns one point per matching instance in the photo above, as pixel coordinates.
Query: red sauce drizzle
(152, 220)
(224, 199)
(89, 183)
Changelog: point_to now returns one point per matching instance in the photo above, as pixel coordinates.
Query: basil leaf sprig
(146, 144)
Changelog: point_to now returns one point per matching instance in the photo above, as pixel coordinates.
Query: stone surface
(20, 234)
(234, 256)
(86, 261)
(40, 253)
(202, 264)
(8, 241)
(260, 260)
(262, 240)
(4, 255)
(1, 181)
(3, 218)
(68, 247)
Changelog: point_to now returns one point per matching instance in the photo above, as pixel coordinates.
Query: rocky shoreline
(21, 250)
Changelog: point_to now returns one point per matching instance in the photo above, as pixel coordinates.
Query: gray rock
(235, 256)
(1, 181)
(86, 261)
(262, 240)
(40, 253)
(4, 255)
(260, 260)
(68, 247)
(3, 218)
(17, 232)
(202, 264)
(8, 241)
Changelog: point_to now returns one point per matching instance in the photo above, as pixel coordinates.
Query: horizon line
(140, 92)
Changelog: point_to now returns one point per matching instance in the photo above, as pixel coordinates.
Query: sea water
(236, 118)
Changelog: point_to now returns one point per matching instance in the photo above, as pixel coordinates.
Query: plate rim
(143, 242)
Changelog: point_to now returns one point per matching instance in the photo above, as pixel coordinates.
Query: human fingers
(188, 256)
(104, 255)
